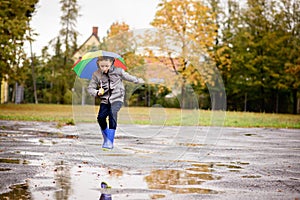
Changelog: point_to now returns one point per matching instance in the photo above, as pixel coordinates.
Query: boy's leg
(113, 114)
(104, 111)
(102, 115)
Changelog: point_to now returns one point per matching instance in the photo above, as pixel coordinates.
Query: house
(92, 42)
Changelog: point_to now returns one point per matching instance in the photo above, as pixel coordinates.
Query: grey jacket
(111, 83)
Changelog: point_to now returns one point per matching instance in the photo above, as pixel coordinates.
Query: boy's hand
(100, 92)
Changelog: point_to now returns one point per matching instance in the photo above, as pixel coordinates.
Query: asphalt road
(45, 161)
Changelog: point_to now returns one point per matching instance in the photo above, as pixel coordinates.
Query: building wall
(92, 42)
(4, 91)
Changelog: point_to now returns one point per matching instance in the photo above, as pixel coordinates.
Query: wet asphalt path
(45, 161)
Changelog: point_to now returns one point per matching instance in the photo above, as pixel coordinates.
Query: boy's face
(104, 65)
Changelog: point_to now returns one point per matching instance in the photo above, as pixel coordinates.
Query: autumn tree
(120, 39)
(190, 26)
(15, 16)
(117, 28)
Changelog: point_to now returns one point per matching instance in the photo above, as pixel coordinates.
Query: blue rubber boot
(105, 141)
(109, 139)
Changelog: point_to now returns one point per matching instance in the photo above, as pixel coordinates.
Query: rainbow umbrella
(86, 65)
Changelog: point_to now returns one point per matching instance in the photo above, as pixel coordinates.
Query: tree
(261, 41)
(117, 28)
(255, 67)
(190, 26)
(14, 26)
(57, 67)
(121, 40)
(68, 33)
(289, 24)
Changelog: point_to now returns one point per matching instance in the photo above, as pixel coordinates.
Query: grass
(66, 114)
(40, 112)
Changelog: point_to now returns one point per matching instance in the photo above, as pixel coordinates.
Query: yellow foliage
(192, 24)
(117, 28)
(189, 19)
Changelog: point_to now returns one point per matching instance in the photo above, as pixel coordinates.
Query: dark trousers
(110, 111)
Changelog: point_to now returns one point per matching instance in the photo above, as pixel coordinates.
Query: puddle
(30, 153)
(229, 166)
(4, 169)
(157, 196)
(251, 176)
(240, 163)
(115, 172)
(182, 181)
(31, 162)
(234, 170)
(13, 161)
(83, 182)
(20, 191)
(250, 134)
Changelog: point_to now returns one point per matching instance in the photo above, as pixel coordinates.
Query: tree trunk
(295, 101)
(33, 75)
(245, 102)
(262, 93)
(13, 96)
(277, 102)
(183, 100)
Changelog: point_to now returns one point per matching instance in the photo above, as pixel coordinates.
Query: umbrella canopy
(86, 65)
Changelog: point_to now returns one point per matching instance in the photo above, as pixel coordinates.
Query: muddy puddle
(63, 180)
(43, 161)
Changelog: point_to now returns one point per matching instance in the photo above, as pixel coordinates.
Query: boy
(107, 84)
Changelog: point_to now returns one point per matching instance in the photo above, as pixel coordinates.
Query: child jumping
(107, 84)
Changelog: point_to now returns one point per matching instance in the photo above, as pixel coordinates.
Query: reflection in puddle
(21, 161)
(62, 179)
(30, 153)
(20, 191)
(229, 166)
(4, 169)
(115, 172)
(10, 161)
(65, 181)
(158, 196)
(181, 181)
(105, 195)
(251, 176)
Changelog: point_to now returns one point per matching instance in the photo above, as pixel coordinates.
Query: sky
(101, 13)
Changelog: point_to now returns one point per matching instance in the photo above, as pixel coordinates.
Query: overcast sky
(102, 13)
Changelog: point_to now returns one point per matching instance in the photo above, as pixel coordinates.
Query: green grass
(66, 114)
(39, 112)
